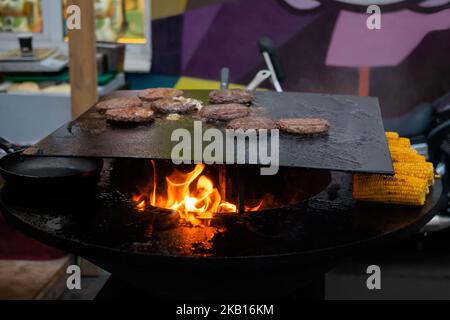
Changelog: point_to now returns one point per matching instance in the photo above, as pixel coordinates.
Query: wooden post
(83, 62)
(364, 81)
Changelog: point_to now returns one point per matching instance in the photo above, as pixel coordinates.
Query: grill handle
(7, 146)
(260, 77)
(273, 63)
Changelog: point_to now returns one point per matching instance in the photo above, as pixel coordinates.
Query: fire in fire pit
(193, 195)
(200, 193)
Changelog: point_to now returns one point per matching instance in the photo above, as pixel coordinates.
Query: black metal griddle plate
(356, 142)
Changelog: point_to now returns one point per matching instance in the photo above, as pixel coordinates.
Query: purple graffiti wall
(322, 45)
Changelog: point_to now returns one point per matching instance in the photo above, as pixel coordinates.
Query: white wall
(27, 118)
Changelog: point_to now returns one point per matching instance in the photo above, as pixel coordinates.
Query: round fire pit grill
(275, 253)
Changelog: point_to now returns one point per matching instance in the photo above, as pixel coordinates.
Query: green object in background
(135, 24)
(139, 81)
(62, 76)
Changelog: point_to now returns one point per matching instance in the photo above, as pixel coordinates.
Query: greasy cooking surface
(356, 141)
(107, 219)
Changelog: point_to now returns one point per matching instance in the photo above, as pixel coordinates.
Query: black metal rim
(84, 249)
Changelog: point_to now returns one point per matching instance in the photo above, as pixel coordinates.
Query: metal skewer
(224, 84)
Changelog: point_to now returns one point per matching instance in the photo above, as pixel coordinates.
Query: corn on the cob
(408, 156)
(392, 135)
(410, 184)
(398, 189)
(401, 149)
(422, 170)
(400, 143)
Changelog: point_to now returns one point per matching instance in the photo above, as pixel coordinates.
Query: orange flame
(191, 194)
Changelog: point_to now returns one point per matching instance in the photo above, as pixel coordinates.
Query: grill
(281, 249)
(269, 254)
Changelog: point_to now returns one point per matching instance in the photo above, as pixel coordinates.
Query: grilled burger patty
(231, 96)
(175, 105)
(256, 123)
(151, 95)
(130, 115)
(304, 126)
(224, 112)
(118, 103)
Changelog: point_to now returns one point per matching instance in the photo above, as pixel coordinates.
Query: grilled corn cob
(398, 189)
(394, 140)
(410, 184)
(399, 143)
(422, 170)
(406, 156)
(401, 149)
(392, 135)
